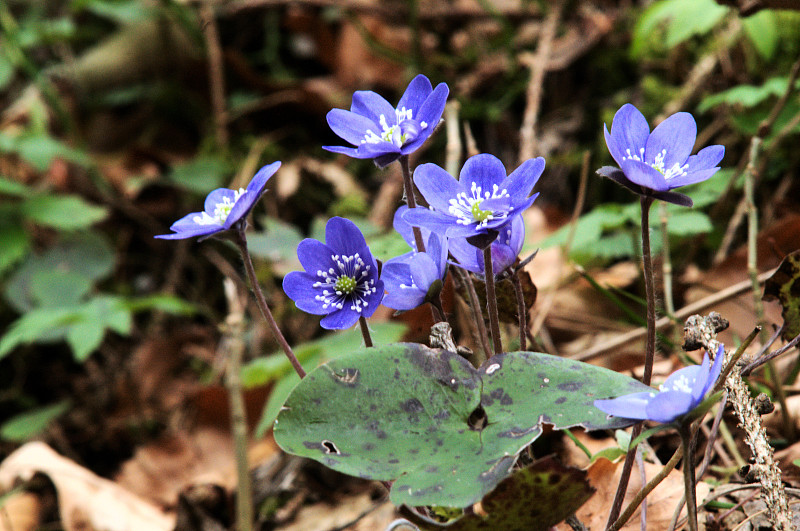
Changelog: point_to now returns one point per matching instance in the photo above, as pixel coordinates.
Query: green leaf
(15, 245)
(84, 338)
(681, 18)
(122, 12)
(161, 303)
(7, 70)
(276, 243)
(687, 222)
(35, 325)
(13, 188)
(55, 288)
(444, 431)
(66, 212)
(558, 490)
(745, 95)
(277, 397)
(22, 427)
(762, 30)
(85, 253)
(40, 149)
(201, 175)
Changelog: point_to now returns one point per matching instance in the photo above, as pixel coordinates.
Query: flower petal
(628, 406)
(340, 319)
(241, 208)
(673, 197)
(629, 131)
(423, 271)
(431, 220)
(415, 95)
(216, 197)
(406, 230)
(349, 151)
(437, 186)
(675, 137)
(706, 158)
(351, 126)
(666, 406)
(644, 175)
(522, 180)
(343, 237)
(314, 256)
(372, 106)
(299, 287)
(430, 113)
(466, 255)
(261, 177)
(201, 230)
(692, 177)
(483, 169)
(374, 299)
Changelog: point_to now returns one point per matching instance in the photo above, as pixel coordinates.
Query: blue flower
(224, 208)
(384, 133)
(505, 249)
(655, 163)
(340, 279)
(484, 198)
(411, 279)
(682, 392)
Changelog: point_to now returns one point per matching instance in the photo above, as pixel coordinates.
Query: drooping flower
(484, 198)
(414, 278)
(224, 208)
(655, 163)
(382, 132)
(340, 280)
(505, 249)
(678, 395)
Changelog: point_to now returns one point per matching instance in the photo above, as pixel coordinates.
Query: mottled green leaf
(445, 432)
(558, 492)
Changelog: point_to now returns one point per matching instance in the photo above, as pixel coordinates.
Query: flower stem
(365, 331)
(650, 290)
(241, 242)
(408, 186)
(491, 301)
(523, 319)
(688, 475)
(650, 350)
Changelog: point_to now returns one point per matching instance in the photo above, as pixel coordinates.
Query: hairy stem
(241, 242)
(650, 290)
(491, 301)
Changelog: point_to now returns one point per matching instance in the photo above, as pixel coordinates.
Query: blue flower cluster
(341, 279)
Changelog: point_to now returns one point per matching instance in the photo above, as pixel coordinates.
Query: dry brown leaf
(661, 503)
(86, 501)
(324, 516)
(20, 512)
(164, 468)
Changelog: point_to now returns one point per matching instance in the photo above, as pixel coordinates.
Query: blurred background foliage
(119, 116)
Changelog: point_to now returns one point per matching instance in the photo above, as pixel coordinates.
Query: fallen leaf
(604, 476)
(86, 501)
(20, 512)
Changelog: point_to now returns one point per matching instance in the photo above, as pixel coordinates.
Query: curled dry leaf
(86, 501)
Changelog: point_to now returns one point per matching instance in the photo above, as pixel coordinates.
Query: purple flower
(224, 208)
(484, 198)
(505, 249)
(384, 133)
(655, 163)
(413, 278)
(340, 279)
(682, 392)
